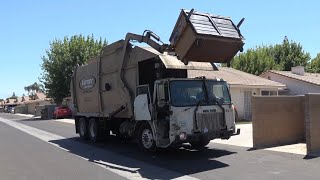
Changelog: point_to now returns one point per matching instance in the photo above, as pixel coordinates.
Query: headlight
(183, 136)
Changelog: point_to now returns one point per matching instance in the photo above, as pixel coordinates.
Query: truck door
(142, 103)
(162, 114)
(162, 102)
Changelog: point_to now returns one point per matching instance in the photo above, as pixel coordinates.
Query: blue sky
(27, 27)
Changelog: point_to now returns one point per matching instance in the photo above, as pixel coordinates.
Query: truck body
(144, 93)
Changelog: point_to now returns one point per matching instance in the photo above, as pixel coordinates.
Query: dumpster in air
(204, 37)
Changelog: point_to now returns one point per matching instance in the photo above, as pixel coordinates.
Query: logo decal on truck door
(87, 83)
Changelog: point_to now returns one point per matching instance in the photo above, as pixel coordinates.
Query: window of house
(269, 93)
(273, 93)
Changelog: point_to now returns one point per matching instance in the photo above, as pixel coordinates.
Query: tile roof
(19, 99)
(25, 98)
(38, 100)
(40, 96)
(235, 77)
(313, 78)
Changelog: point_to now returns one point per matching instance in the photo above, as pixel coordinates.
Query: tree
(289, 54)
(60, 60)
(314, 65)
(255, 61)
(34, 88)
(277, 57)
(13, 96)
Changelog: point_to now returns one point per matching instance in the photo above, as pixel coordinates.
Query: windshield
(189, 93)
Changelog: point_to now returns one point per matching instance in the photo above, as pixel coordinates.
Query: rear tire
(146, 140)
(93, 130)
(83, 130)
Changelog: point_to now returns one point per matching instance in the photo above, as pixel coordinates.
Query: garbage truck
(144, 93)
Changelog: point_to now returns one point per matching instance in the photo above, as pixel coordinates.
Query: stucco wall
(312, 123)
(277, 120)
(22, 109)
(31, 108)
(295, 87)
(32, 105)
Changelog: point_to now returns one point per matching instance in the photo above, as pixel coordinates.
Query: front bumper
(223, 134)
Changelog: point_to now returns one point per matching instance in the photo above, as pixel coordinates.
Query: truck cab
(184, 110)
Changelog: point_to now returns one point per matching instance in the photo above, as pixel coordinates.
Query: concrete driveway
(245, 140)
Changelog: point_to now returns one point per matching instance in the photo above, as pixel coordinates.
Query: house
(25, 99)
(242, 86)
(40, 96)
(39, 99)
(18, 100)
(10, 102)
(297, 80)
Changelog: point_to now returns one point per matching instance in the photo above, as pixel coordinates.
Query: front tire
(200, 144)
(146, 139)
(83, 130)
(93, 130)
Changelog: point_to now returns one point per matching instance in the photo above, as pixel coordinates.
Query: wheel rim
(82, 127)
(147, 138)
(92, 128)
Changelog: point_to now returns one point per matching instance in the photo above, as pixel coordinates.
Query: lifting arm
(147, 37)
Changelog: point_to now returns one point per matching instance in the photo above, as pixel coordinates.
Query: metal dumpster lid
(209, 24)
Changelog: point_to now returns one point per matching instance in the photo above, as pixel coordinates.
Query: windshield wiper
(198, 103)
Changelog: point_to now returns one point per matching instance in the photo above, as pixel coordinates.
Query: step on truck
(144, 93)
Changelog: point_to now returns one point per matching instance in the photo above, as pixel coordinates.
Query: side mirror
(162, 95)
(221, 100)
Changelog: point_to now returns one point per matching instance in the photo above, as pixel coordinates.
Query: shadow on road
(127, 157)
(36, 119)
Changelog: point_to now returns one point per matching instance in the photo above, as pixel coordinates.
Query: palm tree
(27, 88)
(34, 88)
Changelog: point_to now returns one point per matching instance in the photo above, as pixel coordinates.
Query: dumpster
(204, 37)
(47, 111)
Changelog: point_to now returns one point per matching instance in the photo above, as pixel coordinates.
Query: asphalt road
(24, 156)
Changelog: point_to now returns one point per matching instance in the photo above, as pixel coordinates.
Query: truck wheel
(200, 144)
(83, 132)
(93, 130)
(146, 140)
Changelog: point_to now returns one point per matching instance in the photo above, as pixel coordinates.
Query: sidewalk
(245, 140)
(70, 121)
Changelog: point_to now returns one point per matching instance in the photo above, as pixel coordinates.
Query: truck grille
(208, 122)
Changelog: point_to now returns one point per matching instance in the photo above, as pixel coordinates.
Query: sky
(27, 27)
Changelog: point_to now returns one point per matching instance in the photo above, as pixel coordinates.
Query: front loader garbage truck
(144, 93)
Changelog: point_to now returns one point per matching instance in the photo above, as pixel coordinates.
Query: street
(50, 149)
